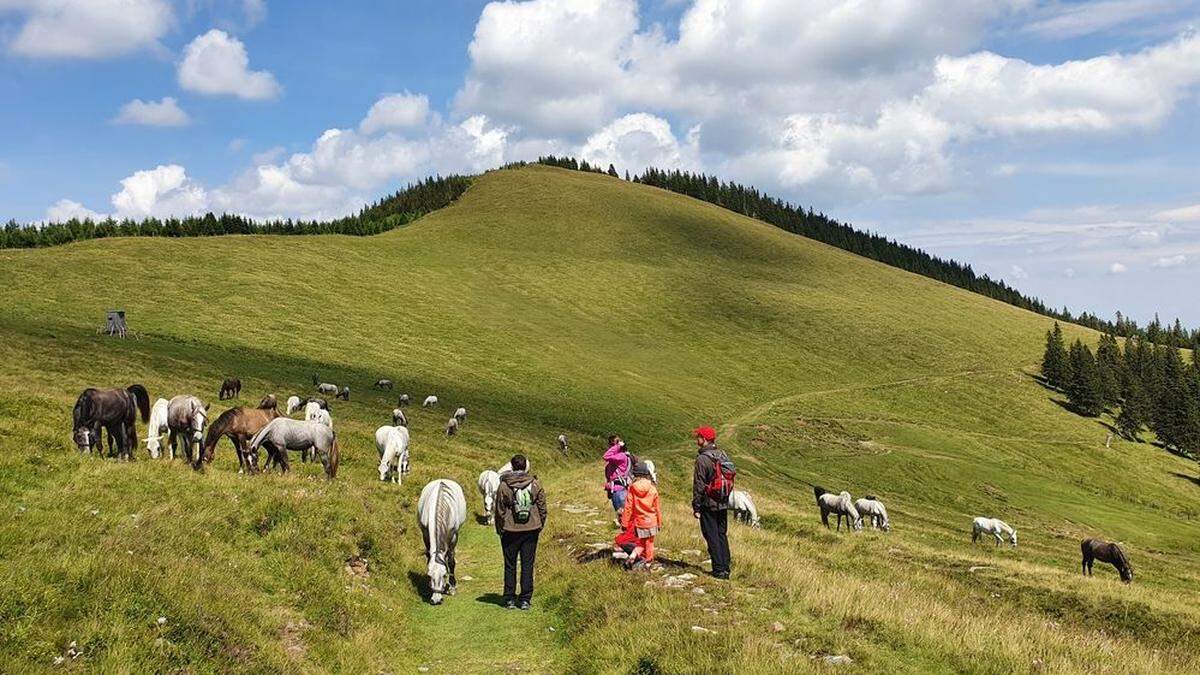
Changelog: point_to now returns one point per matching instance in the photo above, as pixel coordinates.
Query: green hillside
(550, 301)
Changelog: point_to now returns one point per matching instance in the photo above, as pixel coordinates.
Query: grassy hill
(550, 301)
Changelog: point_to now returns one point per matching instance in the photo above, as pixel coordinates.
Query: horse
(1104, 551)
(402, 401)
(156, 427)
(392, 443)
(489, 483)
(269, 401)
(293, 404)
(562, 443)
(875, 510)
(460, 415)
(430, 401)
(451, 427)
(230, 388)
(327, 389)
(116, 411)
(840, 504)
(186, 419)
(382, 384)
(441, 511)
(652, 469)
(743, 508)
(240, 425)
(284, 433)
(344, 394)
(399, 419)
(995, 527)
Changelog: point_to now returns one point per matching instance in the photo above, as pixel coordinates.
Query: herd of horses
(185, 417)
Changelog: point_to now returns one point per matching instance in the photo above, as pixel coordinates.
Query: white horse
(430, 401)
(293, 404)
(743, 507)
(321, 416)
(403, 400)
(441, 511)
(508, 467)
(652, 469)
(460, 414)
(186, 418)
(841, 504)
(995, 527)
(562, 443)
(284, 433)
(392, 443)
(328, 389)
(156, 427)
(399, 419)
(489, 483)
(872, 508)
(452, 426)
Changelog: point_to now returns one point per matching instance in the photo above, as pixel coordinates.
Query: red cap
(707, 433)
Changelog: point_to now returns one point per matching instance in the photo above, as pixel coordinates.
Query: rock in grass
(837, 660)
(777, 627)
(702, 629)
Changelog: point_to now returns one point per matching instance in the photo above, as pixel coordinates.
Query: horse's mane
(1120, 555)
(83, 408)
(818, 491)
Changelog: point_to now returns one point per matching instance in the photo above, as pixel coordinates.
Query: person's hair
(612, 438)
(519, 463)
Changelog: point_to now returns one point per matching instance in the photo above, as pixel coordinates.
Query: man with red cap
(712, 480)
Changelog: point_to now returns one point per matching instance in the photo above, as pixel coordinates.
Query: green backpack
(522, 504)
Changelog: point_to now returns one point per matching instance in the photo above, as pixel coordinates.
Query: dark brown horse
(230, 388)
(240, 425)
(1105, 551)
(116, 411)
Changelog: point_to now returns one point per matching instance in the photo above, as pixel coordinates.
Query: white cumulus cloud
(641, 140)
(66, 209)
(1170, 261)
(162, 191)
(164, 113)
(216, 63)
(1117, 268)
(87, 29)
(396, 111)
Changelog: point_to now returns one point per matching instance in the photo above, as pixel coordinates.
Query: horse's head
(489, 501)
(1126, 573)
(1013, 538)
(83, 439)
(154, 446)
(439, 577)
(199, 419)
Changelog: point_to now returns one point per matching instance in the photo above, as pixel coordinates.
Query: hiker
(616, 472)
(712, 483)
(643, 514)
(520, 514)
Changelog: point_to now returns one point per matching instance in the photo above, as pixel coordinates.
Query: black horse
(116, 411)
(230, 388)
(1104, 551)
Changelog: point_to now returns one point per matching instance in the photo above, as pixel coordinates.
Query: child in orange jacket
(643, 514)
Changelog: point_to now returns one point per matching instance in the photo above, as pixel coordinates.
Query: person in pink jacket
(616, 472)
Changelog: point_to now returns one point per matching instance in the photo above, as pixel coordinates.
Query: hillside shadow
(420, 584)
(491, 599)
(1194, 480)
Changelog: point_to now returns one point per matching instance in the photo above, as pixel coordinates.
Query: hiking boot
(720, 575)
(525, 604)
(509, 604)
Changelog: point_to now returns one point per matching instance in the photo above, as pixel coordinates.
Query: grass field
(549, 301)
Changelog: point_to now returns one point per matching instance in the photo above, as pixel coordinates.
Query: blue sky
(1051, 144)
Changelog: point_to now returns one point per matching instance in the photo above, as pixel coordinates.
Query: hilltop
(548, 301)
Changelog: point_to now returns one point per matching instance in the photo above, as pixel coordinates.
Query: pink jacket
(616, 463)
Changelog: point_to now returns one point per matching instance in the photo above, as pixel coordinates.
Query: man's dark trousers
(714, 525)
(523, 544)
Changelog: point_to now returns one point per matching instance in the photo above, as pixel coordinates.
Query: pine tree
(612, 171)
(1134, 410)
(1085, 391)
(1170, 415)
(1054, 362)
(1111, 366)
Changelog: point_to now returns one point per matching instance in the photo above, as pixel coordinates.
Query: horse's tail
(818, 491)
(334, 451)
(143, 400)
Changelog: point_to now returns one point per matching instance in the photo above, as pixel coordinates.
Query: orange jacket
(641, 505)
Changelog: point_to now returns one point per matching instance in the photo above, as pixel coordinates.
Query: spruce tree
(1111, 367)
(1133, 413)
(1085, 391)
(1170, 416)
(1054, 360)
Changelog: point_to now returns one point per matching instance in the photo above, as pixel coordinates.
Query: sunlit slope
(547, 301)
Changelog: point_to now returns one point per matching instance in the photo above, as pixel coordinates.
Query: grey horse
(284, 433)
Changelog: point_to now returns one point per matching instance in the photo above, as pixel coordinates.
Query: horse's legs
(450, 565)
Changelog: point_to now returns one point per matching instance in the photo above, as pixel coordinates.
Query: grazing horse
(874, 509)
(562, 443)
(841, 504)
(327, 389)
(430, 401)
(652, 469)
(230, 388)
(460, 415)
(240, 425)
(116, 411)
(293, 404)
(269, 401)
(441, 511)
(399, 419)
(451, 427)
(156, 427)
(743, 508)
(995, 527)
(284, 433)
(1105, 551)
(383, 384)
(186, 419)
(402, 401)
(489, 483)
(392, 443)
(344, 394)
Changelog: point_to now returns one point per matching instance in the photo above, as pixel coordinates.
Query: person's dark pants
(714, 525)
(523, 544)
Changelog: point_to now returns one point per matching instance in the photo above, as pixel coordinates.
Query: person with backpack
(617, 464)
(520, 515)
(712, 483)
(643, 514)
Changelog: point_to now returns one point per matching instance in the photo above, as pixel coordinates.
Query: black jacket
(702, 475)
